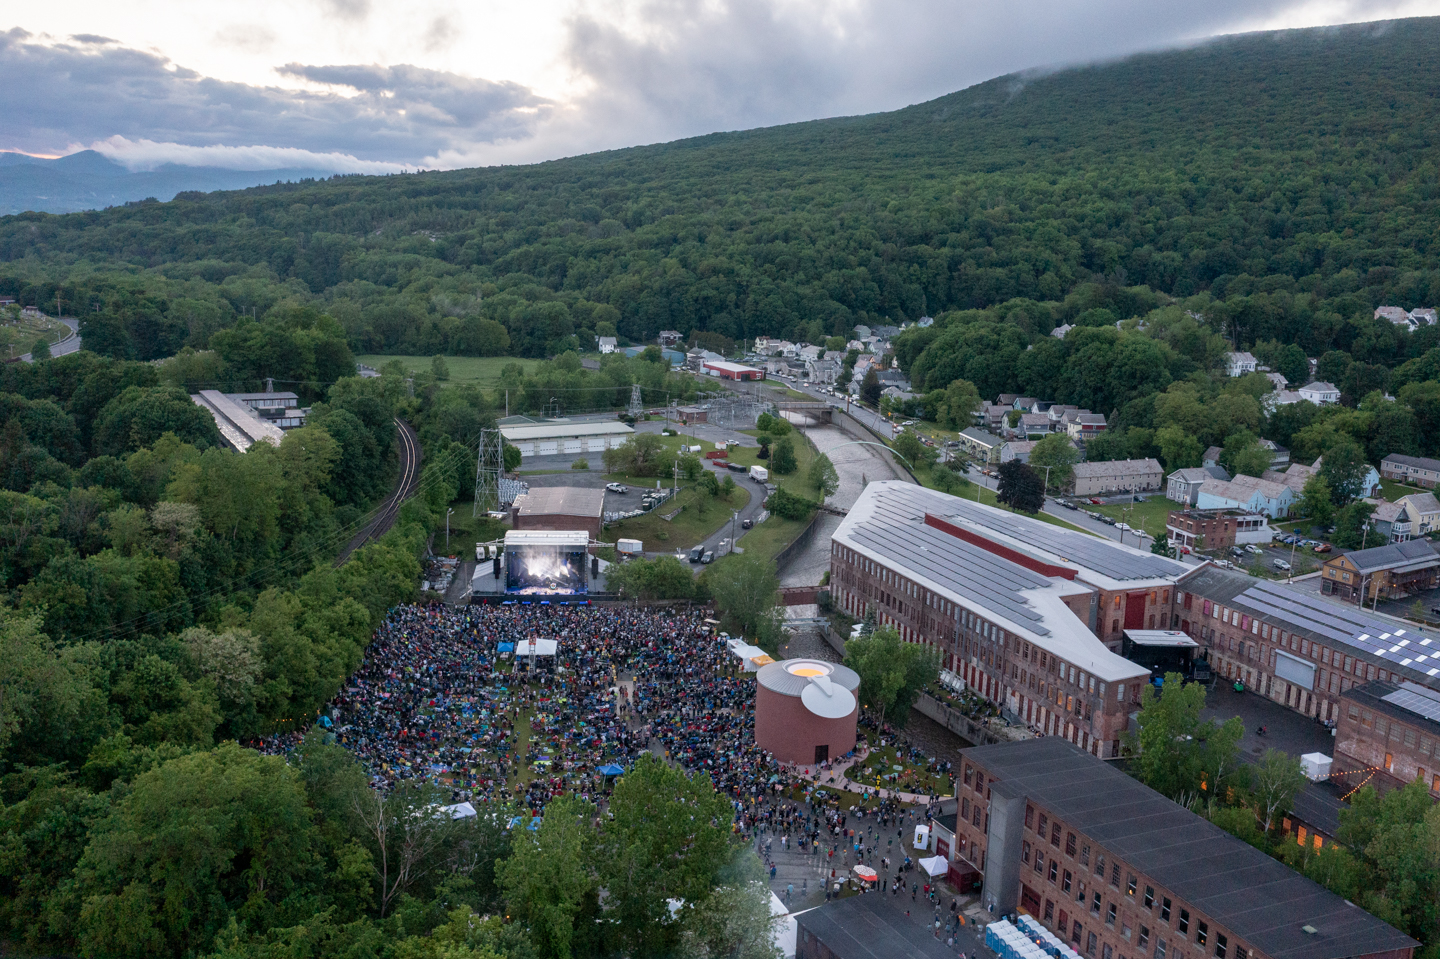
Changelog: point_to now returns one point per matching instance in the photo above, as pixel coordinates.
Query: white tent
(922, 837)
(536, 647)
(752, 656)
(935, 866)
(461, 811)
(786, 929)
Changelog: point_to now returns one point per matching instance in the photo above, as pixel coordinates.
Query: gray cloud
(690, 67)
(91, 38)
(705, 65)
(59, 95)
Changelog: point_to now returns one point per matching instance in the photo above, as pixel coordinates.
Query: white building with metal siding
(560, 439)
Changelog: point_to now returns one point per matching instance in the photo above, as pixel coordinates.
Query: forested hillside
(1290, 176)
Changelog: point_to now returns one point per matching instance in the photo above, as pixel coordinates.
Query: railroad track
(405, 485)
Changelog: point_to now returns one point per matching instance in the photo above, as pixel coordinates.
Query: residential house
(1033, 424)
(1057, 412)
(1017, 450)
(1392, 571)
(1411, 470)
(809, 353)
(1025, 404)
(1007, 399)
(1085, 424)
(1279, 455)
(1117, 476)
(1412, 320)
(1211, 457)
(1320, 393)
(925, 322)
(991, 416)
(862, 332)
(697, 358)
(1298, 474)
(1060, 331)
(1249, 494)
(1238, 364)
(1278, 380)
(1408, 517)
(607, 344)
(980, 444)
(897, 394)
(893, 378)
(669, 337)
(1183, 485)
(1271, 401)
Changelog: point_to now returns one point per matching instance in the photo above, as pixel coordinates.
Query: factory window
(1065, 882)
(1149, 897)
(1202, 933)
(1110, 915)
(1144, 937)
(1165, 909)
(1184, 924)
(1220, 944)
(1130, 885)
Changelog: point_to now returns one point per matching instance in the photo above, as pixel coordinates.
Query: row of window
(1048, 831)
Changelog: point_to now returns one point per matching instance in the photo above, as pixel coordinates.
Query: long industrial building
(1117, 870)
(1297, 648)
(239, 426)
(1029, 614)
(563, 437)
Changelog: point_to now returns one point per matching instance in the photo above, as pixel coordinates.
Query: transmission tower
(488, 467)
(635, 405)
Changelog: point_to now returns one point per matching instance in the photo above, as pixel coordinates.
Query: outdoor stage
(539, 565)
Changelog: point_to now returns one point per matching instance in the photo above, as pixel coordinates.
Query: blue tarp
(611, 770)
(505, 648)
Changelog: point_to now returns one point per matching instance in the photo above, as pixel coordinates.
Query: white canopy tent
(935, 866)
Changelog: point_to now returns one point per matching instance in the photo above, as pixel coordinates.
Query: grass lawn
(796, 482)
(1392, 490)
(768, 538)
(483, 370)
(911, 778)
(1149, 515)
(700, 515)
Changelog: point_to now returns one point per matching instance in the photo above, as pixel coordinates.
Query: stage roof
(546, 537)
(561, 501)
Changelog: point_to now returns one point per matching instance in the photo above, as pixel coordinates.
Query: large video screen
(545, 570)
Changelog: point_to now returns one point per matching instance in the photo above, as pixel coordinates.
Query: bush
(787, 505)
(580, 465)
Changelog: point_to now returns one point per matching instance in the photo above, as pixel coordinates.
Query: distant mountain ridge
(91, 181)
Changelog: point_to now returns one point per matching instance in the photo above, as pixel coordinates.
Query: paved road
(405, 485)
(69, 344)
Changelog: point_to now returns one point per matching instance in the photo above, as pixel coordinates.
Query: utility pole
(447, 529)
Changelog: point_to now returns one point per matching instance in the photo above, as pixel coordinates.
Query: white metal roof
(1161, 637)
(551, 431)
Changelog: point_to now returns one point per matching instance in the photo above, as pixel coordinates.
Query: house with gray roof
(1183, 486)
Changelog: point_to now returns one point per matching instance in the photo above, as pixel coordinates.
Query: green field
(482, 370)
(797, 482)
(700, 515)
(1149, 515)
(1392, 490)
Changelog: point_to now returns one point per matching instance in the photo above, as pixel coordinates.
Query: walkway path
(834, 778)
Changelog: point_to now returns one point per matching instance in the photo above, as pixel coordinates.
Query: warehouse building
(1117, 870)
(731, 371)
(560, 508)
(1388, 735)
(238, 424)
(566, 438)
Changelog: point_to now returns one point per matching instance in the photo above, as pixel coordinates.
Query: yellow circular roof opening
(807, 668)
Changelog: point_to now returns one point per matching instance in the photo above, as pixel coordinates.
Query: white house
(1060, 331)
(1247, 493)
(607, 344)
(1240, 363)
(1320, 393)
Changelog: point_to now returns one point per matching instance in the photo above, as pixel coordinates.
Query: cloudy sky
(372, 85)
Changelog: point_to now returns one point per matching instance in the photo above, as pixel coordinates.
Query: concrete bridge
(815, 412)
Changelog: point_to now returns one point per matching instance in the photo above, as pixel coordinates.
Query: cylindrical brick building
(805, 710)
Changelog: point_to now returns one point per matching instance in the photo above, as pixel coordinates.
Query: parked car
(1224, 564)
(746, 523)
(1123, 527)
(617, 488)
(1279, 564)
(1252, 549)
(708, 558)
(1186, 550)
(1323, 548)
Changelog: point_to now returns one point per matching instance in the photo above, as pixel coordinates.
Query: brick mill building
(1118, 871)
(1029, 614)
(1294, 647)
(1388, 735)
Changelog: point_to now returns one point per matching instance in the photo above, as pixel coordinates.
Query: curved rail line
(410, 457)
